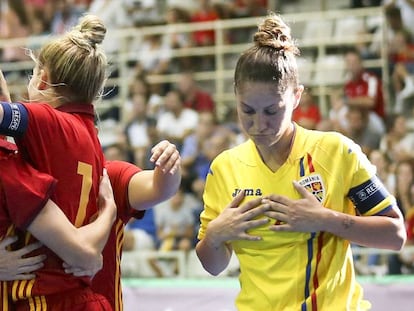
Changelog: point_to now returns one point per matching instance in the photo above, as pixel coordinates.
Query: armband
(15, 119)
(368, 194)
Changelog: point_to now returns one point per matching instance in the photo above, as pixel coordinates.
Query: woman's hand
(166, 157)
(13, 264)
(235, 220)
(302, 215)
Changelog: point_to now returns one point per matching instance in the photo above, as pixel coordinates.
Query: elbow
(211, 266)
(400, 240)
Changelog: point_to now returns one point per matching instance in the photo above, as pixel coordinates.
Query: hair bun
(274, 32)
(92, 29)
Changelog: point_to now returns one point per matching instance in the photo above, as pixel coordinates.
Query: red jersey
(369, 85)
(23, 190)
(107, 282)
(63, 143)
(23, 193)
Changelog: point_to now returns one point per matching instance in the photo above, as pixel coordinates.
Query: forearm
(166, 184)
(62, 238)
(214, 256)
(148, 188)
(371, 231)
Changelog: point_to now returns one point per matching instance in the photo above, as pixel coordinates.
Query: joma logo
(248, 192)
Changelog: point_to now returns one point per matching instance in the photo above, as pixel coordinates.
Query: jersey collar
(78, 108)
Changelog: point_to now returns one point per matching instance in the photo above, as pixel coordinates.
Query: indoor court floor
(387, 293)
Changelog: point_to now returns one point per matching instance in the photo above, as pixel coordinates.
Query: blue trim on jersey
(301, 167)
(308, 269)
(368, 195)
(15, 119)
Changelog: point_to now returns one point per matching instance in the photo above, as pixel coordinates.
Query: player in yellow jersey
(289, 201)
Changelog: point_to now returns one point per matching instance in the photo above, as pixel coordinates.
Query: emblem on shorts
(314, 185)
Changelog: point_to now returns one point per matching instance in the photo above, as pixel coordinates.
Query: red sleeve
(120, 173)
(26, 190)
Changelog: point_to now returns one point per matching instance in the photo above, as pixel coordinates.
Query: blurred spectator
(204, 13)
(177, 122)
(38, 11)
(249, 8)
(113, 14)
(138, 130)
(403, 83)
(406, 8)
(116, 152)
(175, 222)
(142, 12)
(358, 130)
(192, 145)
(394, 24)
(404, 193)
(398, 142)
(152, 54)
(337, 109)
(140, 85)
(307, 114)
(385, 169)
(362, 88)
(194, 97)
(65, 17)
(141, 235)
(177, 40)
(12, 26)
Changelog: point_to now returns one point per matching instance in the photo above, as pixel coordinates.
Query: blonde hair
(76, 63)
(272, 58)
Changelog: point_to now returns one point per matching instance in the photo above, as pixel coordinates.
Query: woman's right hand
(236, 219)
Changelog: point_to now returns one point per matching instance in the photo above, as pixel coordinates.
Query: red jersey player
(135, 190)
(58, 137)
(25, 205)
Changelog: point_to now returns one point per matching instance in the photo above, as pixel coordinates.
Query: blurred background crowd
(373, 105)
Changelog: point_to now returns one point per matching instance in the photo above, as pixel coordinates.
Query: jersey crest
(314, 184)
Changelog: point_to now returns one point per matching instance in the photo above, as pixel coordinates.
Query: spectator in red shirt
(362, 88)
(204, 13)
(194, 97)
(307, 114)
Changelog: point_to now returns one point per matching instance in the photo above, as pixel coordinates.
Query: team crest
(314, 185)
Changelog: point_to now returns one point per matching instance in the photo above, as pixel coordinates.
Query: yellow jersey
(294, 270)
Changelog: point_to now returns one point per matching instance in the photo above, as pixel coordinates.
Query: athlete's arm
(80, 247)
(151, 187)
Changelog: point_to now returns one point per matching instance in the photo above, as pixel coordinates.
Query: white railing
(317, 32)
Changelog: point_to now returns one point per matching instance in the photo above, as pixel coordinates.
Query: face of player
(264, 114)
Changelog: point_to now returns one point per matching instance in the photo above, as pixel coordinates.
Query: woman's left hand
(302, 215)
